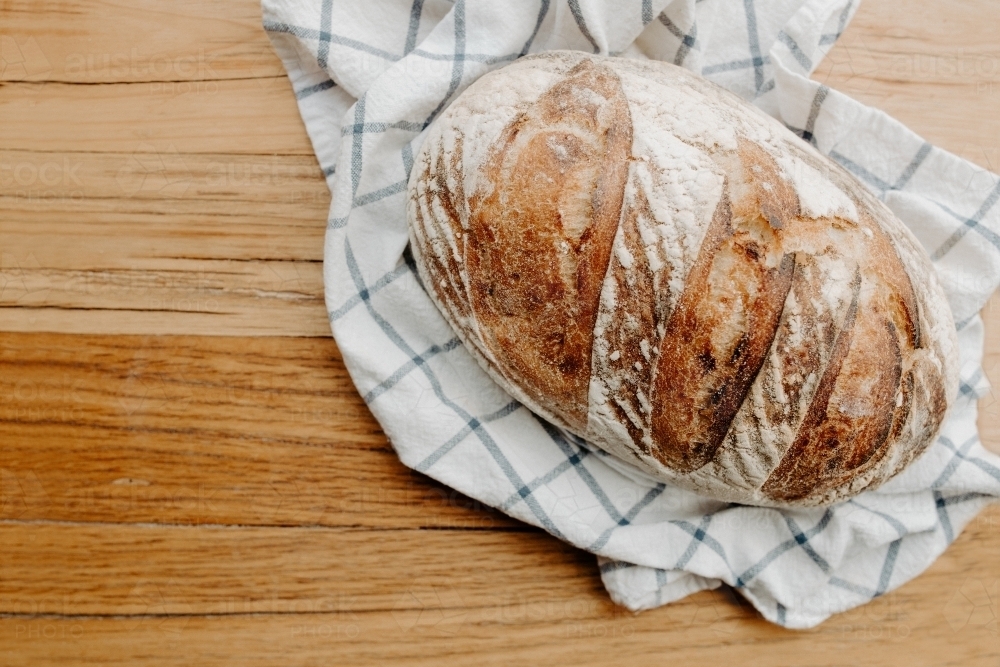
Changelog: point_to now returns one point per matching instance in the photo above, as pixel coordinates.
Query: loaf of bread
(647, 261)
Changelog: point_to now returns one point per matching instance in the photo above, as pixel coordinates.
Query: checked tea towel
(370, 76)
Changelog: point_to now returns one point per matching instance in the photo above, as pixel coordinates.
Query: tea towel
(371, 76)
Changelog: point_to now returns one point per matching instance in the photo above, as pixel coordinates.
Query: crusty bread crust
(540, 237)
(653, 264)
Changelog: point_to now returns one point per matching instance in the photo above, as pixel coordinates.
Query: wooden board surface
(187, 474)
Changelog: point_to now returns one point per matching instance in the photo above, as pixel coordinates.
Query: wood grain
(177, 213)
(934, 66)
(96, 41)
(989, 405)
(188, 429)
(48, 117)
(400, 597)
(187, 474)
(708, 629)
(150, 243)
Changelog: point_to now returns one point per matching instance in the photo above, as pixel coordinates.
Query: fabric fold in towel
(370, 77)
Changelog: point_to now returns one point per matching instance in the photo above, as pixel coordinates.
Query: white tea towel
(370, 76)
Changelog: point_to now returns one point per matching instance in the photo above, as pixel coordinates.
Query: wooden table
(187, 474)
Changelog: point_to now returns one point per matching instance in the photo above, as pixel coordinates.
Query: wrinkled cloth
(371, 76)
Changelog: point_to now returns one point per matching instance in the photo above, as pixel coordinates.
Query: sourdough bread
(655, 265)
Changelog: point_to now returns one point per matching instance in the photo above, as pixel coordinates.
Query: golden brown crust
(715, 342)
(865, 394)
(540, 240)
(717, 338)
(815, 444)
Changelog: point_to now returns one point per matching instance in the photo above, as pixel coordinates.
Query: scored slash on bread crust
(690, 287)
(533, 274)
(717, 338)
